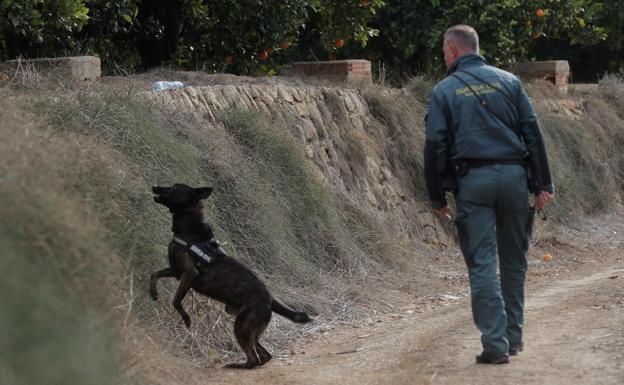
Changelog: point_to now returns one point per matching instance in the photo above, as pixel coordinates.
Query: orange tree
(333, 24)
(588, 61)
(240, 36)
(251, 36)
(510, 30)
(235, 35)
(245, 36)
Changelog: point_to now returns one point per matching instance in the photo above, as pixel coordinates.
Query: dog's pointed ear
(203, 192)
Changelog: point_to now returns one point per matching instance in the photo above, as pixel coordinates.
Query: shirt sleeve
(436, 151)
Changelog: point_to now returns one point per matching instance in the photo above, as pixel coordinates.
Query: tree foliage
(247, 36)
(238, 36)
(39, 26)
(509, 30)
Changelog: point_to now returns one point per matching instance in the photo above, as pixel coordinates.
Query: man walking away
(483, 143)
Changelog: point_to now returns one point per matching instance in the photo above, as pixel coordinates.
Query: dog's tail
(295, 316)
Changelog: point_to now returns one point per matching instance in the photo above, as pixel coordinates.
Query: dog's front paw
(153, 294)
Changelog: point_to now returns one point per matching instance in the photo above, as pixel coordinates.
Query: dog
(198, 262)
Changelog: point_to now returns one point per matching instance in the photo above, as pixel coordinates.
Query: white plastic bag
(163, 85)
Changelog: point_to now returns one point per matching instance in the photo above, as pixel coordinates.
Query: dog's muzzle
(158, 192)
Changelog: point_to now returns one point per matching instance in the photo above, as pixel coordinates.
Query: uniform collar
(467, 60)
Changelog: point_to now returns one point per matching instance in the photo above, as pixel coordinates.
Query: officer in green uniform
(483, 142)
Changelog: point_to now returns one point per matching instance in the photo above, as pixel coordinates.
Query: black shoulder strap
(483, 102)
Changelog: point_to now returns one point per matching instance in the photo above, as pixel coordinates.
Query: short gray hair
(464, 36)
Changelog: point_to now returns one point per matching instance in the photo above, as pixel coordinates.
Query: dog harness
(206, 251)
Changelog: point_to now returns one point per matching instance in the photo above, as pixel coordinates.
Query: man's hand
(542, 199)
(445, 213)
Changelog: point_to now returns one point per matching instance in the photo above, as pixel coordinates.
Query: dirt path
(574, 335)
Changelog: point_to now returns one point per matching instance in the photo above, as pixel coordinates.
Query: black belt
(474, 163)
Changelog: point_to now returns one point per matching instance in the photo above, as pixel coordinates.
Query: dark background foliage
(257, 36)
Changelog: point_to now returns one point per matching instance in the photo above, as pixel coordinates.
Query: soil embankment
(320, 191)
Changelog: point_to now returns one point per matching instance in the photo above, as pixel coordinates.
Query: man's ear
(203, 192)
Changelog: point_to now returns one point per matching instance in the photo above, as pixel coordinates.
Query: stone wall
(346, 146)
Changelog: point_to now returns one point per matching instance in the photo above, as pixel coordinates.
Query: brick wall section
(339, 69)
(76, 67)
(554, 71)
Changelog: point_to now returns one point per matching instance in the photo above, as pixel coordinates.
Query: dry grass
(402, 113)
(612, 86)
(585, 159)
(55, 261)
(77, 166)
(104, 148)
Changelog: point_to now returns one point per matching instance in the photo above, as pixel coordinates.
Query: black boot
(514, 350)
(492, 358)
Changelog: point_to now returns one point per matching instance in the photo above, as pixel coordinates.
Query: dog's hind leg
(263, 354)
(168, 272)
(262, 318)
(185, 284)
(249, 325)
(244, 336)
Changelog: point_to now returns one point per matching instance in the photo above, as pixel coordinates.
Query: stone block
(75, 67)
(554, 71)
(345, 70)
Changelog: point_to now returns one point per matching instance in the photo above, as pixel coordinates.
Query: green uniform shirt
(460, 128)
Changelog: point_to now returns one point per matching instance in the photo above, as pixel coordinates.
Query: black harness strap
(207, 254)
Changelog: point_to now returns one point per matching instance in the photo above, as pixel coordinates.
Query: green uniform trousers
(493, 215)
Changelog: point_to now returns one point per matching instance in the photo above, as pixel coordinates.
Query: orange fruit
(284, 45)
(539, 12)
(547, 258)
(537, 35)
(229, 60)
(269, 50)
(339, 43)
(263, 55)
(363, 4)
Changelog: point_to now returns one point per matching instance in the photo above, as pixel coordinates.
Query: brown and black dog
(196, 259)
